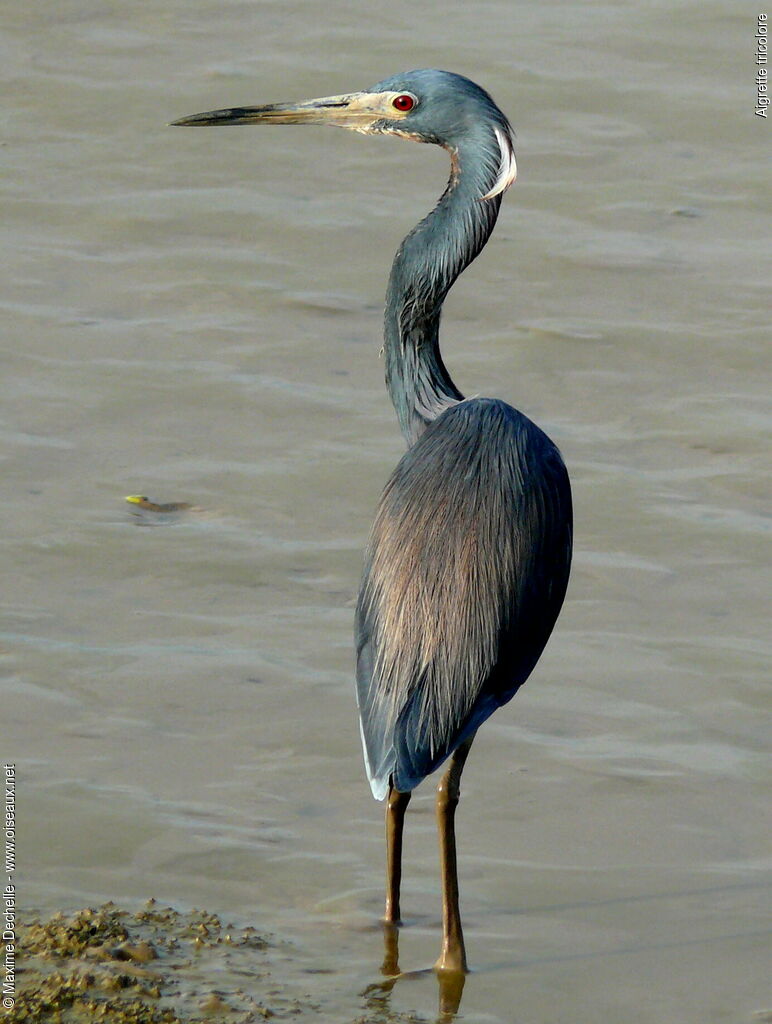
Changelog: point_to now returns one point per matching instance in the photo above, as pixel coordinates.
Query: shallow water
(196, 316)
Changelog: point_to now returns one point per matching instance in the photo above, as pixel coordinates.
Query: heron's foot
(391, 918)
(452, 959)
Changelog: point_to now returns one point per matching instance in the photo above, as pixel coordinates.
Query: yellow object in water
(151, 506)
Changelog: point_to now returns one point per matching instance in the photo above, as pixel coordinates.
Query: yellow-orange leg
(395, 819)
(453, 956)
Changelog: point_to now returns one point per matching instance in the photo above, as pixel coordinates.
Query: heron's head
(425, 105)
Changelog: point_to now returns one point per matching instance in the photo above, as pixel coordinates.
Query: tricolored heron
(468, 560)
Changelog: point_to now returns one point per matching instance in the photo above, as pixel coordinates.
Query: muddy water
(195, 316)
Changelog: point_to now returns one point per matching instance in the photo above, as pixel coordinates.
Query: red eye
(404, 102)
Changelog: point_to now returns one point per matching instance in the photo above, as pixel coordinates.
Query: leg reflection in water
(377, 995)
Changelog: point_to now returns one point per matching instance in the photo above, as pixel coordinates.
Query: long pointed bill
(357, 110)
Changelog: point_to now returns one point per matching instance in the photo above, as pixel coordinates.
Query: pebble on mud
(152, 967)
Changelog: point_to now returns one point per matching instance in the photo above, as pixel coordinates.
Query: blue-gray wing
(465, 573)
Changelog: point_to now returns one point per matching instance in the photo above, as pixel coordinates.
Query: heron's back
(465, 573)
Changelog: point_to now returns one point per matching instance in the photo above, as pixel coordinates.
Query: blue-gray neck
(427, 263)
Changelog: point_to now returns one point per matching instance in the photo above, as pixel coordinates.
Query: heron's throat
(427, 263)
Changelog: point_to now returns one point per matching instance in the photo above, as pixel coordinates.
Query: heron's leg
(395, 819)
(453, 956)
